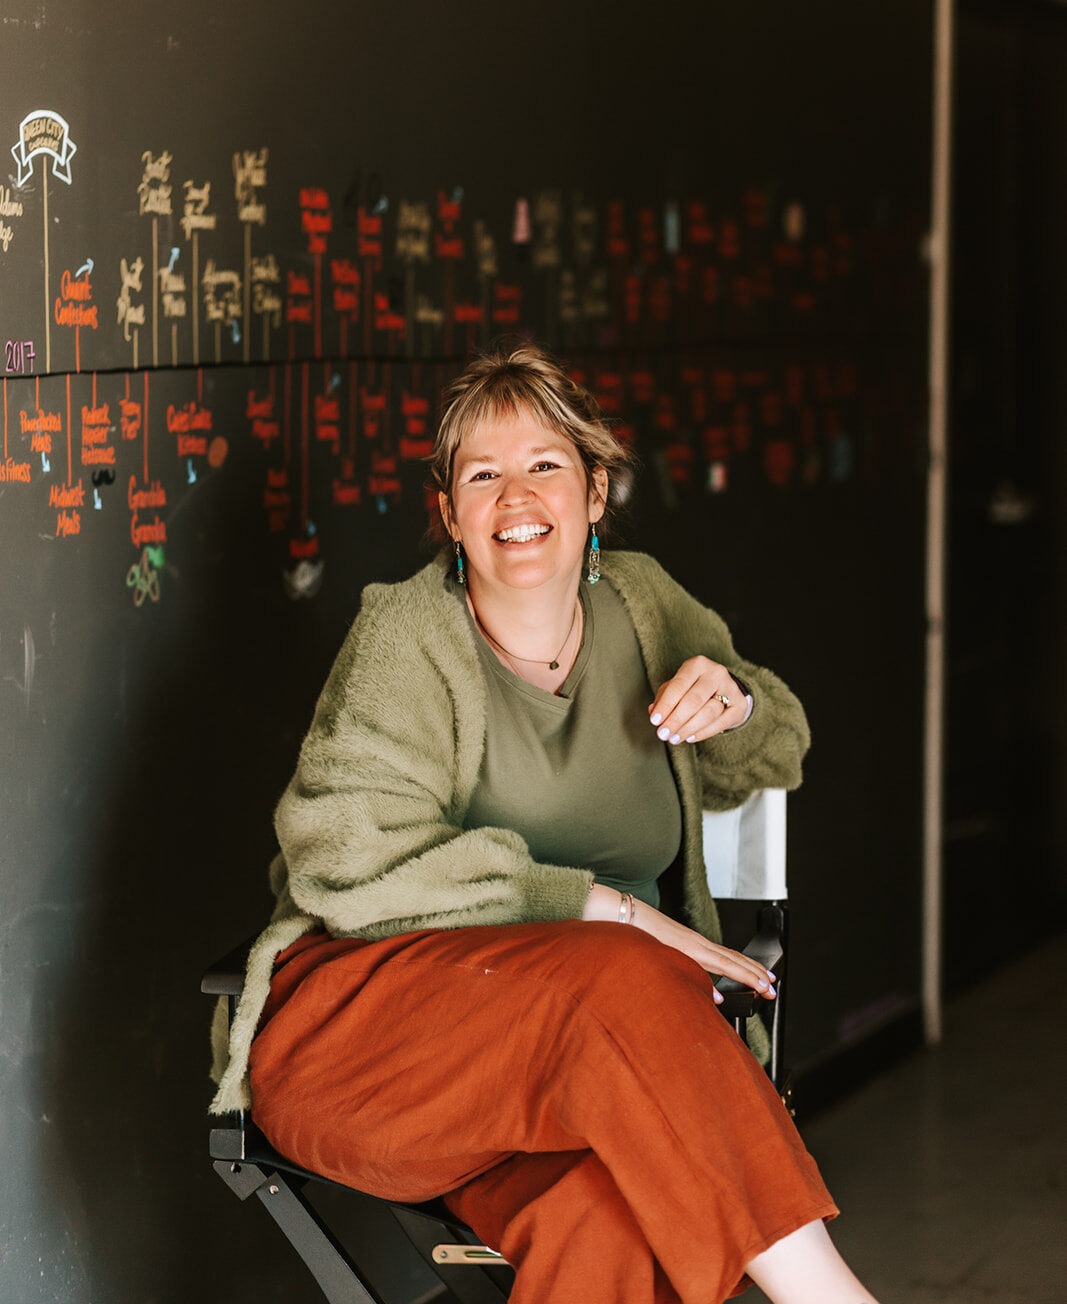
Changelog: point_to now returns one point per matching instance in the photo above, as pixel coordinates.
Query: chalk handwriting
(195, 216)
(346, 280)
(547, 219)
(369, 236)
(222, 293)
(96, 427)
(277, 501)
(19, 356)
(583, 231)
(427, 313)
(41, 426)
(250, 176)
(260, 411)
(12, 472)
(73, 308)
(265, 270)
(506, 302)
(8, 208)
(385, 318)
(154, 189)
(569, 305)
(129, 313)
(129, 418)
(316, 221)
(266, 301)
(413, 225)
(596, 303)
(484, 250)
(345, 493)
(172, 287)
(139, 500)
(191, 422)
(298, 306)
(66, 499)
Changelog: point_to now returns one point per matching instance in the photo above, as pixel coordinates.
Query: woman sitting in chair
(468, 989)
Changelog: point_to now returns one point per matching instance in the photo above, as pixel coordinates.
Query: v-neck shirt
(580, 773)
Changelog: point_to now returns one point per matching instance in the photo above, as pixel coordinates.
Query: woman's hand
(603, 904)
(690, 707)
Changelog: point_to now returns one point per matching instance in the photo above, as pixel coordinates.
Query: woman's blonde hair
(526, 379)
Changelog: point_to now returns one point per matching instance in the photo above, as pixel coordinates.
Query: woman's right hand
(604, 902)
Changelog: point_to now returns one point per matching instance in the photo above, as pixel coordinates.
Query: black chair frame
(472, 1273)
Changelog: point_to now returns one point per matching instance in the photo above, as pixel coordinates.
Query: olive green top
(580, 774)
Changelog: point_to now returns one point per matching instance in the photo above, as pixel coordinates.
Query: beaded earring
(594, 556)
(460, 577)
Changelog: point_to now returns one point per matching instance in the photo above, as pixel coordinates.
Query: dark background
(143, 746)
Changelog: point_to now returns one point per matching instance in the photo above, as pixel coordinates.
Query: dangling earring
(594, 556)
(460, 577)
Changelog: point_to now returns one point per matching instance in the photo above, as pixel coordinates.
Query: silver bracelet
(627, 908)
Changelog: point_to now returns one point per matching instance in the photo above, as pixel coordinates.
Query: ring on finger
(721, 697)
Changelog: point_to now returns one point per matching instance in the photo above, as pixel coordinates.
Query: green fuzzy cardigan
(371, 825)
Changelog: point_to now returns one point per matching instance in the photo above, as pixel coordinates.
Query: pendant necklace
(538, 661)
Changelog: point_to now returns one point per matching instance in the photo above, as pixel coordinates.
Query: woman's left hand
(690, 707)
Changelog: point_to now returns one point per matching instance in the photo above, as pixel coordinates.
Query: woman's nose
(514, 487)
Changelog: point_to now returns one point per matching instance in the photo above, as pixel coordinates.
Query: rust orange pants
(570, 1087)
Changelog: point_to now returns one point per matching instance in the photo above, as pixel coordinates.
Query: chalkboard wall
(241, 248)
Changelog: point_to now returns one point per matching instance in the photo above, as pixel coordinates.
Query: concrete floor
(951, 1169)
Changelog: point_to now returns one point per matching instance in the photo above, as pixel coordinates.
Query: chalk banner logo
(44, 132)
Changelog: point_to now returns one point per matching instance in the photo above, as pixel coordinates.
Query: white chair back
(744, 849)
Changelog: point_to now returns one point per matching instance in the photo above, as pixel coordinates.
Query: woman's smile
(518, 535)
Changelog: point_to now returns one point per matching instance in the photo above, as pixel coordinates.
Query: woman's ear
(598, 494)
(446, 514)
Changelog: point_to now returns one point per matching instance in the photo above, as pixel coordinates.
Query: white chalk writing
(154, 190)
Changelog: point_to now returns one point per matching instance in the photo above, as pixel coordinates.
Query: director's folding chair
(744, 850)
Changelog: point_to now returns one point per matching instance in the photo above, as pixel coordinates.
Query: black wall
(1005, 839)
(743, 289)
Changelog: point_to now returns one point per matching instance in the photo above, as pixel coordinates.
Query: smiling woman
(521, 507)
(468, 988)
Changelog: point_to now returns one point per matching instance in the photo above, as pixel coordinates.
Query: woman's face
(521, 504)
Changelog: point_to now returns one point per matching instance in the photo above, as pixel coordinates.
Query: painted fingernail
(771, 991)
(761, 984)
(716, 996)
(772, 976)
(691, 739)
(657, 718)
(676, 738)
(663, 733)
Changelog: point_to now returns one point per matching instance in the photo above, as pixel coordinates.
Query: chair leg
(338, 1278)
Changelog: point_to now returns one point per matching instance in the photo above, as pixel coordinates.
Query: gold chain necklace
(533, 661)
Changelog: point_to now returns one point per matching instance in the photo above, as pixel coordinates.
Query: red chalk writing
(96, 428)
(190, 423)
(141, 500)
(129, 418)
(73, 307)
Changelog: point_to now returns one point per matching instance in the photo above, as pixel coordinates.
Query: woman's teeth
(521, 533)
